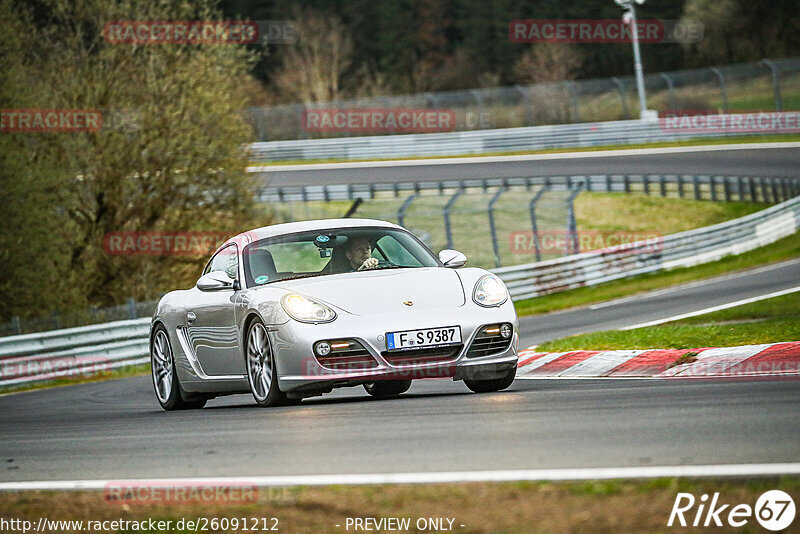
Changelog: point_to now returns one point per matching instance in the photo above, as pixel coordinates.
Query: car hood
(384, 291)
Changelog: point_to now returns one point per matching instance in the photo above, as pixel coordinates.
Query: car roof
(245, 238)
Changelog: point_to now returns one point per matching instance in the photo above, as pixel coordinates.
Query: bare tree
(314, 66)
(548, 62)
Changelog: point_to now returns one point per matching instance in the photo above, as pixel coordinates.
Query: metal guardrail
(73, 352)
(488, 141)
(98, 348)
(702, 187)
(683, 249)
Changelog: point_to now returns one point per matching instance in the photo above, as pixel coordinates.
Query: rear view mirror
(452, 258)
(215, 281)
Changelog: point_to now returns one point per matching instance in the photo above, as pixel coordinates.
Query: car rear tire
(262, 374)
(489, 386)
(387, 388)
(167, 387)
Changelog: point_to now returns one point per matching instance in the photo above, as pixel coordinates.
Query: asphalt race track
(115, 429)
(734, 162)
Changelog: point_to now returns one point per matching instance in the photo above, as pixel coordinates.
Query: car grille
(488, 341)
(423, 356)
(353, 356)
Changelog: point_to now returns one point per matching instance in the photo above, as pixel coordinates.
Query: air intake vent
(423, 356)
(490, 340)
(345, 355)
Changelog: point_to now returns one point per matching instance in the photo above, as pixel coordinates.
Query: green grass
(768, 321)
(786, 248)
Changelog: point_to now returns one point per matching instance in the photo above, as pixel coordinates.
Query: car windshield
(334, 251)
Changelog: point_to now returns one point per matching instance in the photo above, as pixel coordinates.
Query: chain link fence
(759, 86)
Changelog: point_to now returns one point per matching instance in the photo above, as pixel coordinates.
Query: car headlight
(307, 310)
(490, 291)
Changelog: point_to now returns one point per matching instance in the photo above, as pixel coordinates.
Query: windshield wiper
(299, 276)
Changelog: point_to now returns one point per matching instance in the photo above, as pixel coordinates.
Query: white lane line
(535, 364)
(600, 363)
(714, 308)
(689, 285)
(518, 157)
(592, 473)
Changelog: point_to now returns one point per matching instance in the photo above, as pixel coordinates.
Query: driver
(359, 254)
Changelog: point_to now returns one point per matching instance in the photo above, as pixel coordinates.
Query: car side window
(225, 260)
(395, 252)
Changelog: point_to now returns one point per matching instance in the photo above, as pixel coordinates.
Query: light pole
(629, 17)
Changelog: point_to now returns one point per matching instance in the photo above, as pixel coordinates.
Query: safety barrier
(73, 352)
(514, 139)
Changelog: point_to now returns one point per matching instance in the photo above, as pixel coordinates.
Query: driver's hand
(369, 263)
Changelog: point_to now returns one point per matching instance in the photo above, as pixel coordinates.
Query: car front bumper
(300, 372)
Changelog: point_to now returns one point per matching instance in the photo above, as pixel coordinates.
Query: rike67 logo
(774, 510)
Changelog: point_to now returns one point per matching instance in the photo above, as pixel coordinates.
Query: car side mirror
(452, 258)
(216, 281)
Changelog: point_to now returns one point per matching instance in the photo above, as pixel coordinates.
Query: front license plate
(420, 339)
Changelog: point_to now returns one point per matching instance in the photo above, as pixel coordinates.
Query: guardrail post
(621, 87)
(401, 213)
(479, 101)
(680, 186)
(670, 90)
(727, 186)
(722, 88)
(740, 188)
(526, 104)
(712, 184)
(776, 85)
(626, 181)
(573, 95)
(572, 227)
(448, 231)
(301, 132)
(16, 327)
(662, 184)
(55, 319)
(131, 308)
(764, 188)
(646, 184)
(696, 184)
(532, 209)
(492, 228)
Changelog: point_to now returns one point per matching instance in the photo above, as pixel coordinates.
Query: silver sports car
(294, 310)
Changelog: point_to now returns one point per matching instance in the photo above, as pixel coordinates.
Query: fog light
(322, 348)
(505, 330)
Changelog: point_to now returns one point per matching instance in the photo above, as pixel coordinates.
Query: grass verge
(768, 321)
(592, 506)
(778, 138)
(783, 249)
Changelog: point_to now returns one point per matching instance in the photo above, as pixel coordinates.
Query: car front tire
(165, 380)
(262, 374)
(489, 386)
(387, 388)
